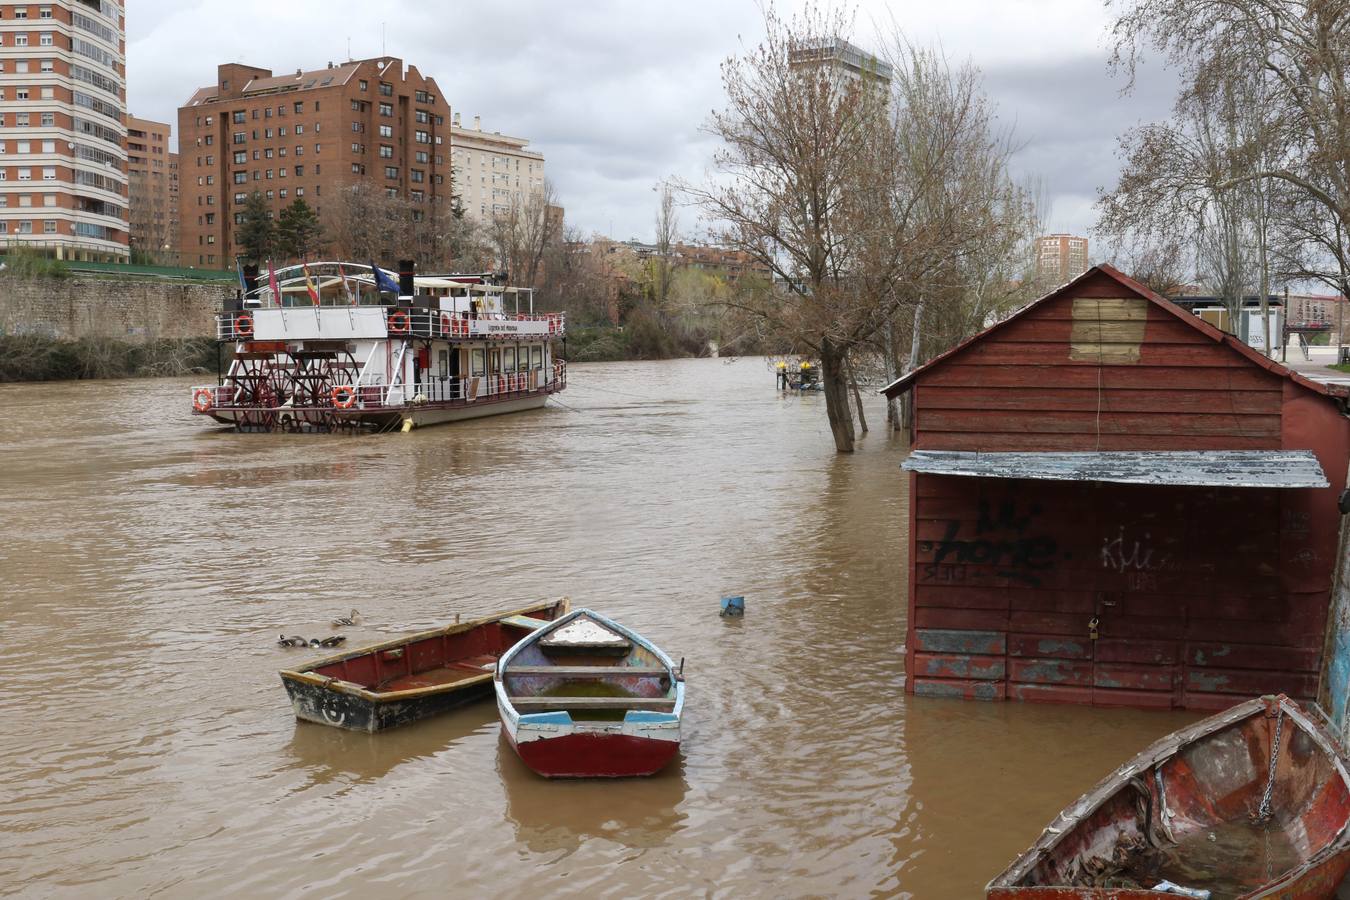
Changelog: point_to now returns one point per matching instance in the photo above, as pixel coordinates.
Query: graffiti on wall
(1004, 538)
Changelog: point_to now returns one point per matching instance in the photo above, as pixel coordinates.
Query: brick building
(152, 179)
(306, 135)
(1060, 257)
(63, 183)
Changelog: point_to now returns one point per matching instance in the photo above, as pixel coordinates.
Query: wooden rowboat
(1252, 802)
(585, 697)
(379, 686)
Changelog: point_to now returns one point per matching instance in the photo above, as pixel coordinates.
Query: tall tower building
(152, 180)
(304, 135)
(63, 160)
(1060, 258)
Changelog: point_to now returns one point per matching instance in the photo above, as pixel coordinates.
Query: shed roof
(1202, 468)
(905, 382)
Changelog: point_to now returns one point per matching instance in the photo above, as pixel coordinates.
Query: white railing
(297, 323)
(387, 396)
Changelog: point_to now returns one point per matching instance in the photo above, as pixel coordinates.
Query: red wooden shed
(1114, 503)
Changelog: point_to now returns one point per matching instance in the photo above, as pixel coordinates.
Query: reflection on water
(149, 564)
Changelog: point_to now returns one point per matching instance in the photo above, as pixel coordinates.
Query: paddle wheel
(315, 374)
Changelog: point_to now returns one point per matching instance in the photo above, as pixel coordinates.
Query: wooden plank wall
(1201, 596)
(1185, 584)
(1098, 371)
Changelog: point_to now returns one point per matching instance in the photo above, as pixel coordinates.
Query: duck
(332, 641)
(292, 641)
(349, 619)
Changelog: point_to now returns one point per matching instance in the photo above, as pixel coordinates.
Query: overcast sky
(614, 92)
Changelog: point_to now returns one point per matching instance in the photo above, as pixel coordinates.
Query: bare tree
(522, 234)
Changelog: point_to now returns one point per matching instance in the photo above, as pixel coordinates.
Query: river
(150, 561)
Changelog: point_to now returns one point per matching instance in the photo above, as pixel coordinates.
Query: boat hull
(1253, 802)
(376, 687)
(289, 419)
(583, 755)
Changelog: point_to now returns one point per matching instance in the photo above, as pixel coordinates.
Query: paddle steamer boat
(331, 347)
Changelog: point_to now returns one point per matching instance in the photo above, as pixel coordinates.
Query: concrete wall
(132, 311)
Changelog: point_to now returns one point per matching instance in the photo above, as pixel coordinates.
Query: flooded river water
(149, 562)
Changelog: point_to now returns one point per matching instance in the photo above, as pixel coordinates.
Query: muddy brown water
(149, 562)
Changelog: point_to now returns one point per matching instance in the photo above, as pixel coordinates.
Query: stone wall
(132, 311)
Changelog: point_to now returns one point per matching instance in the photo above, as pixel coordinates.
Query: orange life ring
(344, 396)
(243, 325)
(446, 324)
(203, 399)
(398, 322)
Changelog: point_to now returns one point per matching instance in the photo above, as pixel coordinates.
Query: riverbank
(29, 357)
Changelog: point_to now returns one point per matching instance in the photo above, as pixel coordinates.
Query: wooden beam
(542, 704)
(586, 671)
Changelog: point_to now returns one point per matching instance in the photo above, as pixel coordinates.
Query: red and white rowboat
(585, 697)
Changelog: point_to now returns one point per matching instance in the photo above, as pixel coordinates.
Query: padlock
(1092, 627)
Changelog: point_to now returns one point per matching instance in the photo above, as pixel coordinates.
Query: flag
(243, 284)
(383, 281)
(346, 285)
(309, 285)
(272, 283)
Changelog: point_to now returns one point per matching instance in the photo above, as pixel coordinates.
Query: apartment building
(152, 182)
(63, 160)
(308, 135)
(850, 63)
(1060, 257)
(493, 171)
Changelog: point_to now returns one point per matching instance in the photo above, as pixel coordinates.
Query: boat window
(538, 357)
(445, 363)
(509, 360)
(478, 357)
(495, 362)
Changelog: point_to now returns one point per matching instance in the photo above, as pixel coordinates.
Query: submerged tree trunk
(836, 395)
(891, 365)
(857, 399)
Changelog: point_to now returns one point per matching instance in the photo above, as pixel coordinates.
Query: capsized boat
(395, 682)
(1252, 802)
(585, 697)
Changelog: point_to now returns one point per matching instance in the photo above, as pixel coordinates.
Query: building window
(48, 66)
(45, 12)
(299, 106)
(45, 40)
(25, 228)
(21, 119)
(299, 192)
(299, 129)
(282, 193)
(299, 149)
(386, 151)
(240, 199)
(239, 117)
(21, 94)
(363, 84)
(49, 173)
(48, 120)
(357, 127)
(299, 171)
(358, 169)
(267, 154)
(269, 197)
(24, 147)
(387, 109)
(391, 171)
(241, 178)
(48, 199)
(281, 173)
(240, 157)
(20, 40)
(386, 131)
(25, 174)
(386, 90)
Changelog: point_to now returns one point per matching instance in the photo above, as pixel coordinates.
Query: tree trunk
(891, 364)
(836, 395)
(857, 399)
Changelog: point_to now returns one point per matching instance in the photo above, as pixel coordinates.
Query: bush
(26, 262)
(37, 358)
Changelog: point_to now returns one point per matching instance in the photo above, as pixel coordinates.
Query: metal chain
(1263, 811)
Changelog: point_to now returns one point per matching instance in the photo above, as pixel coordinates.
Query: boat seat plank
(524, 622)
(430, 678)
(542, 704)
(586, 671)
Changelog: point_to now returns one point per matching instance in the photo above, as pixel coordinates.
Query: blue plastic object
(733, 606)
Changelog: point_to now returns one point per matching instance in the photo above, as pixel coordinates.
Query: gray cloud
(613, 93)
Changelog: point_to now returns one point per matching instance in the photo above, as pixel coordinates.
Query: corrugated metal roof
(1203, 468)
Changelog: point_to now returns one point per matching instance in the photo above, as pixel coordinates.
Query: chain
(1263, 811)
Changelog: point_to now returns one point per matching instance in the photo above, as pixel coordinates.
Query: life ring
(203, 399)
(398, 322)
(344, 396)
(446, 324)
(243, 325)
(462, 327)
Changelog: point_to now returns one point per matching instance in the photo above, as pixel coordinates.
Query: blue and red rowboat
(585, 697)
